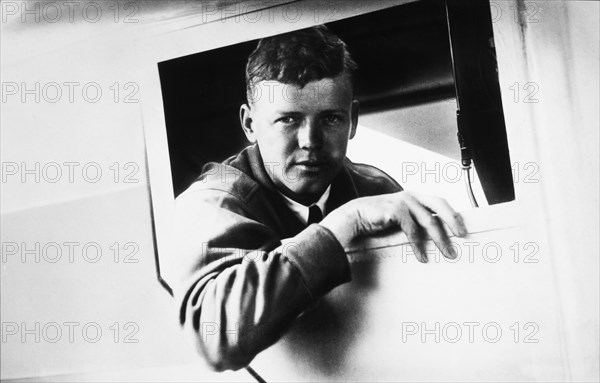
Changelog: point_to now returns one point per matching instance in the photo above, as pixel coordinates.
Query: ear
(246, 121)
(354, 117)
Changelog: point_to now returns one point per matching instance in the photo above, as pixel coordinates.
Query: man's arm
(240, 287)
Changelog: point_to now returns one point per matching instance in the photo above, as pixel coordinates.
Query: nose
(310, 135)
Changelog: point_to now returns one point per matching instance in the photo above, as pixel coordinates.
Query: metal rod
(467, 173)
(255, 375)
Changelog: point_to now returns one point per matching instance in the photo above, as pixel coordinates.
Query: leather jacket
(246, 265)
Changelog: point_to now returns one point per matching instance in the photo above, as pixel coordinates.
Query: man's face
(302, 133)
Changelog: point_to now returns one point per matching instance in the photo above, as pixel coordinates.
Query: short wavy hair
(299, 57)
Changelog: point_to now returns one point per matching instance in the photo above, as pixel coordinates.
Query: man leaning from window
(261, 236)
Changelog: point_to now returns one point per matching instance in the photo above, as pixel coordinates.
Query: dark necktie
(314, 215)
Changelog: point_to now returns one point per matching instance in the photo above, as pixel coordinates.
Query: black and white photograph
(300, 191)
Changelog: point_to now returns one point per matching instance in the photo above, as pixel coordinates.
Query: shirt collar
(301, 211)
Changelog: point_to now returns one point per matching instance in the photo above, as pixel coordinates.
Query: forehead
(324, 94)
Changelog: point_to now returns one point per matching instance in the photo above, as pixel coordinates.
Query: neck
(304, 199)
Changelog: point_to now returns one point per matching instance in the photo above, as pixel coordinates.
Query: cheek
(274, 144)
(337, 144)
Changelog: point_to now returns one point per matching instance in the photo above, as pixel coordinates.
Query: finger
(433, 225)
(413, 232)
(443, 210)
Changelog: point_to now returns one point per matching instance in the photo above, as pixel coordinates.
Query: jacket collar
(250, 162)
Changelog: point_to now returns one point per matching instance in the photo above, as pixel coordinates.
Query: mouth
(311, 166)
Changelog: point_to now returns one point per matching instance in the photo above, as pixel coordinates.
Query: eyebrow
(293, 112)
(333, 111)
(288, 112)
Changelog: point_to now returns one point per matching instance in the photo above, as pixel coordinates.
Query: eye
(287, 120)
(332, 119)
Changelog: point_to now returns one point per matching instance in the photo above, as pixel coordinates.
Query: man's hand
(418, 216)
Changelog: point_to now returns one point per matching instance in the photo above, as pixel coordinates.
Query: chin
(311, 189)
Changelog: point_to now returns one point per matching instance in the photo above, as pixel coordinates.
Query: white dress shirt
(301, 211)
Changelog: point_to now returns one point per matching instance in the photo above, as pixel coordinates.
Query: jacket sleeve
(239, 287)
